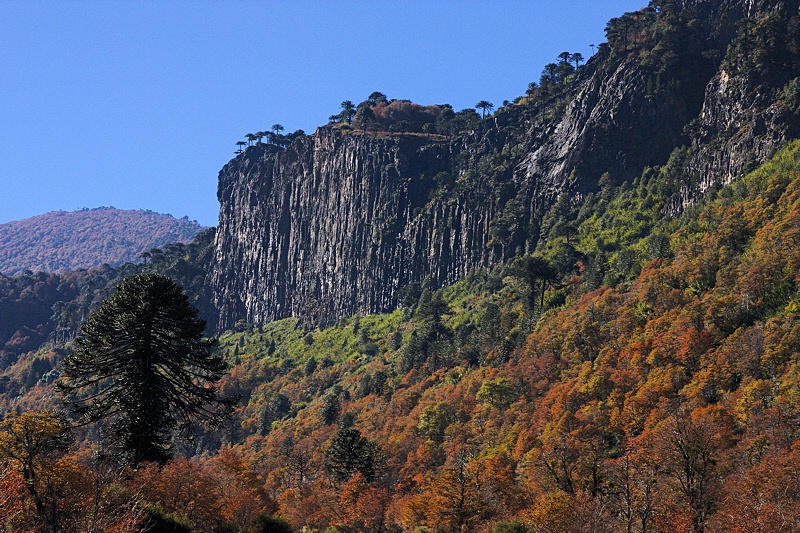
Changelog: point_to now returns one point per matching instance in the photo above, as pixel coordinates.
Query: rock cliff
(334, 225)
(749, 110)
(337, 222)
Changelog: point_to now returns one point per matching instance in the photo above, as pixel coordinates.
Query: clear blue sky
(139, 104)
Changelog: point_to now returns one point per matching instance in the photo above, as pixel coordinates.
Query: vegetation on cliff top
(628, 372)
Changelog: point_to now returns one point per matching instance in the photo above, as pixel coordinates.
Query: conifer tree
(143, 366)
(484, 106)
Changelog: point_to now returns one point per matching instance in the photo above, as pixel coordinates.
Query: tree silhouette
(348, 110)
(142, 365)
(364, 117)
(484, 105)
(377, 97)
(241, 145)
(331, 409)
(534, 271)
(276, 129)
(250, 138)
(577, 57)
(549, 72)
(564, 68)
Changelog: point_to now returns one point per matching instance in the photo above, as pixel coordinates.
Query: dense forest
(526, 398)
(631, 364)
(70, 240)
(48, 308)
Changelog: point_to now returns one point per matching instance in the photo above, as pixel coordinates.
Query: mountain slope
(338, 222)
(666, 403)
(591, 363)
(64, 240)
(50, 306)
(666, 400)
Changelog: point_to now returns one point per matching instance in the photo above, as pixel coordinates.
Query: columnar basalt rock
(336, 223)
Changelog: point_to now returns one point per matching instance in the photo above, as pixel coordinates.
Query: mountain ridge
(620, 355)
(69, 240)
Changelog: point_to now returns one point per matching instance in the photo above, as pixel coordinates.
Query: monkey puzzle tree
(534, 271)
(348, 110)
(349, 453)
(484, 105)
(141, 364)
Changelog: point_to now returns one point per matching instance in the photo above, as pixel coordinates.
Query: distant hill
(68, 240)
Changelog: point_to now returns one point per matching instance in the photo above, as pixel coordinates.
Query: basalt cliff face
(750, 107)
(334, 225)
(337, 222)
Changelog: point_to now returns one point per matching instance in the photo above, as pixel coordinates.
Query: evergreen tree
(330, 410)
(349, 453)
(348, 110)
(141, 364)
(535, 272)
(484, 106)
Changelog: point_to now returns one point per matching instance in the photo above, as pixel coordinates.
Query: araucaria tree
(484, 105)
(143, 366)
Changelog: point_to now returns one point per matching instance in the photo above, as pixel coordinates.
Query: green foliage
(275, 409)
(545, 415)
(434, 419)
(331, 408)
(271, 524)
(159, 521)
(791, 95)
(499, 393)
(349, 453)
(510, 527)
(39, 307)
(142, 365)
(537, 273)
(310, 366)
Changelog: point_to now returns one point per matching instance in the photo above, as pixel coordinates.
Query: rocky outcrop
(336, 223)
(745, 117)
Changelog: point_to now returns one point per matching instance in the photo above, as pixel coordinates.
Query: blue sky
(139, 104)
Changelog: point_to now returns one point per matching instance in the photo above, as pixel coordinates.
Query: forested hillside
(665, 401)
(579, 313)
(70, 240)
(532, 397)
(48, 308)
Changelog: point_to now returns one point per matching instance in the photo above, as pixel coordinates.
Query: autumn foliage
(669, 401)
